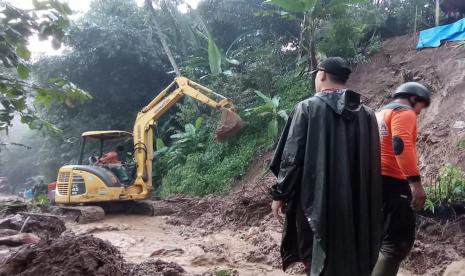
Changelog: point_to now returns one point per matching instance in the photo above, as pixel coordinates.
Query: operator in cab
(112, 160)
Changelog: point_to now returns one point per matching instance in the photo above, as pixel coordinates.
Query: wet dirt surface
(237, 233)
(155, 267)
(437, 245)
(253, 250)
(143, 239)
(139, 245)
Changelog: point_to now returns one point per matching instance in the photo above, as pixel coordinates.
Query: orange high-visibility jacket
(110, 158)
(398, 134)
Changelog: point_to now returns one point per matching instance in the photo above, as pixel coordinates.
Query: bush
(450, 188)
(212, 171)
(292, 89)
(341, 38)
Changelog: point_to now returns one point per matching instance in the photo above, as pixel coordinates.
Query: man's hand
(277, 207)
(418, 195)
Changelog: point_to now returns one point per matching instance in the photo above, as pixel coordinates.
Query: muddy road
(232, 234)
(249, 251)
(142, 238)
(217, 235)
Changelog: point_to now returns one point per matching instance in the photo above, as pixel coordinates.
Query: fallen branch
(19, 239)
(24, 224)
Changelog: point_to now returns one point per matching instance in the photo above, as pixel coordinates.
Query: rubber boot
(386, 266)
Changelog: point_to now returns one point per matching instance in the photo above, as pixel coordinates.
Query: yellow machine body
(95, 190)
(86, 184)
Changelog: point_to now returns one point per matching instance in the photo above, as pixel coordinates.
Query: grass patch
(213, 170)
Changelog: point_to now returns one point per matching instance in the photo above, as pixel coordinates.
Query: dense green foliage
(124, 54)
(449, 189)
(47, 19)
(211, 167)
(212, 170)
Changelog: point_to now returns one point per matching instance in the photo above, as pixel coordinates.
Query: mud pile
(42, 225)
(437, 246)
(155, 268)
(246, 206)
(80, 255)
(213, 213)
(10, 206)
(67, 255)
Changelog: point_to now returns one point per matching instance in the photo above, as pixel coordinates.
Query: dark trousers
(399, 219)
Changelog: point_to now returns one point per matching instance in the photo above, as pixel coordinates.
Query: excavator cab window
(92, 158)
(113, 157)
(83, 146)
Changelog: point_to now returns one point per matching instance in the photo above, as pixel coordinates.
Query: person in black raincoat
(328, 188)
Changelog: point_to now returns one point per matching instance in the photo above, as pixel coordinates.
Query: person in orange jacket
(111, 157)
(112, 161)
(402, 187)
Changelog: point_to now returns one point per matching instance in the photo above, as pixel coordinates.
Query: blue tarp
(434, 36)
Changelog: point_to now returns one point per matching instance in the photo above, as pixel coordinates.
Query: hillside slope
(442, 126)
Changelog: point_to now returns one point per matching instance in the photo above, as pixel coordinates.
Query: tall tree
(314, 13)
(48, 19)
(153, 20)
(110, 55)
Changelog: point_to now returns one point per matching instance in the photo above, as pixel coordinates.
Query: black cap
(336, 66)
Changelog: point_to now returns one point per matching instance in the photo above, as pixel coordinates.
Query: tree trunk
(312, 51)
(437, 12)
(161, 36)
(415, 26)
(302, 47)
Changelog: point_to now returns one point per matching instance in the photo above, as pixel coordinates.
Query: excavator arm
(143, 127)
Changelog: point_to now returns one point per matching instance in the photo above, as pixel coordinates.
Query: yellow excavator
(86, 192)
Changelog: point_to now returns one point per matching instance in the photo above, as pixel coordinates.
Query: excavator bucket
(230, 124)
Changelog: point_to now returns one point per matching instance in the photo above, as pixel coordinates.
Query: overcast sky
(79, 7)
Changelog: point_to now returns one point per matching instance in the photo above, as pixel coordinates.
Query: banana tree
(190, 139)
(269, 108)
(314, 13)
(184, 142)
(154, 20)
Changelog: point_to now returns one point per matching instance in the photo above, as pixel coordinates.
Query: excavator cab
(121, 170)
(102, 137)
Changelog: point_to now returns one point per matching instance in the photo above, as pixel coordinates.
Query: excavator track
(82, 214)
(85, 214)
(139, 207)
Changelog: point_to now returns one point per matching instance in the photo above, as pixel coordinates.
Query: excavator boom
(230, 123)
(143, 128)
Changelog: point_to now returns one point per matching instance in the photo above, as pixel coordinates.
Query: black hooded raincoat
(328, 167)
